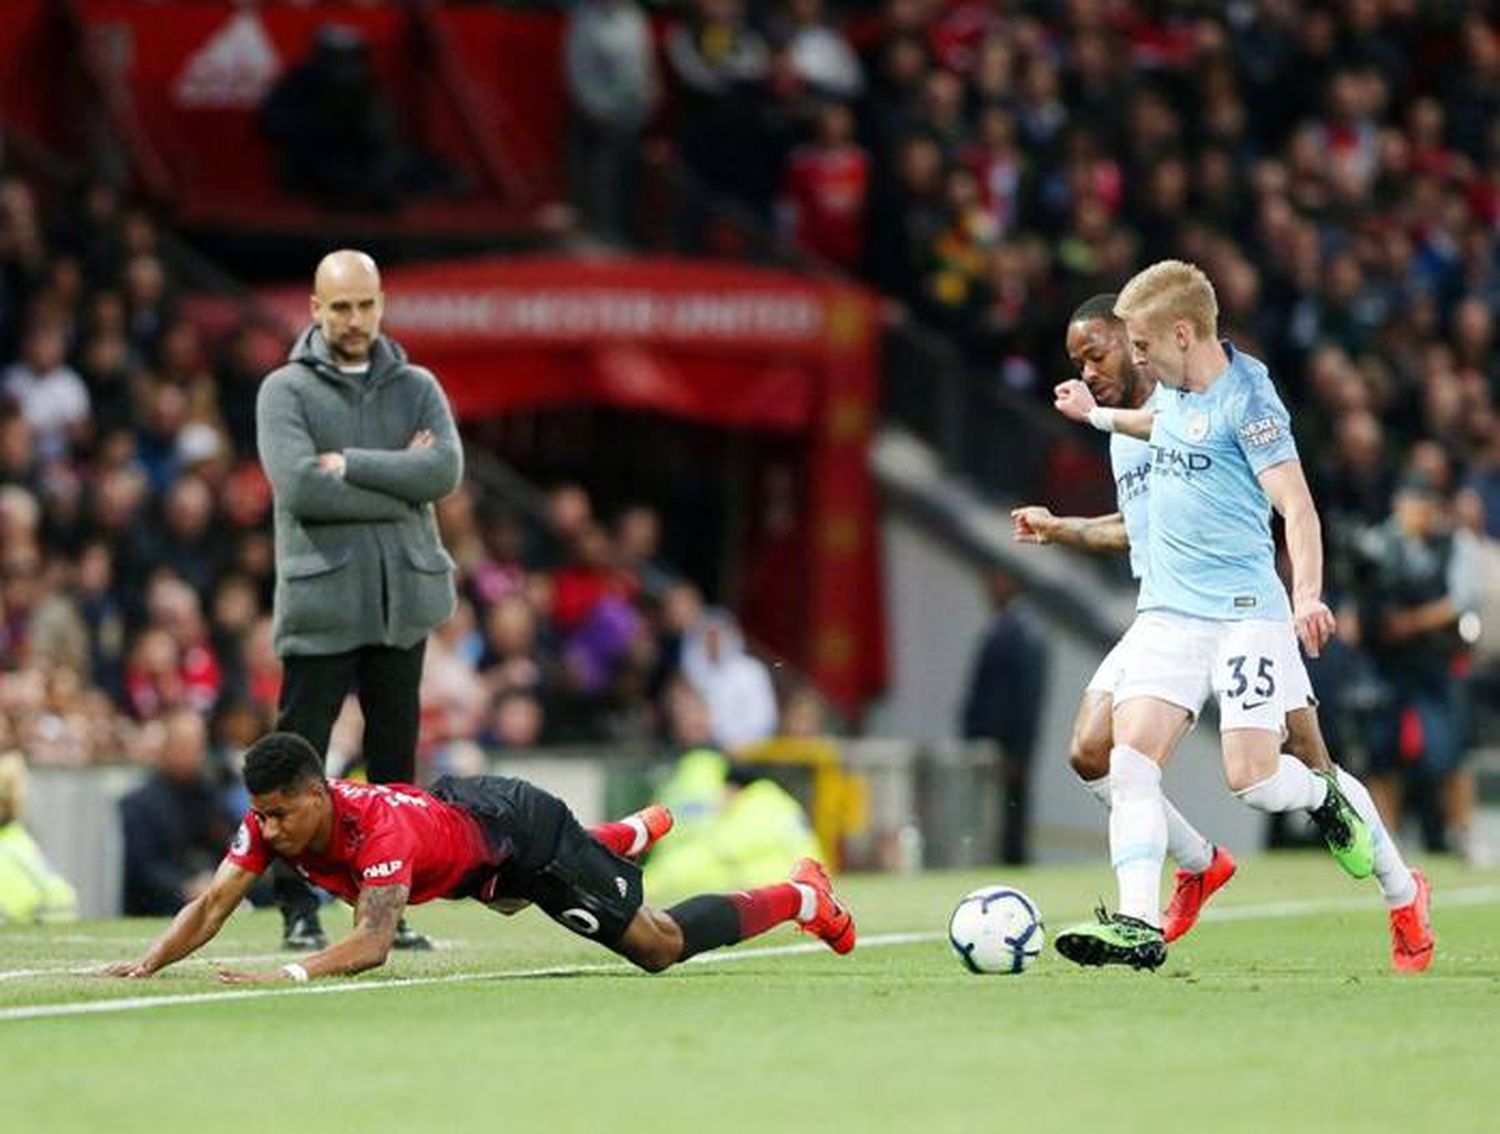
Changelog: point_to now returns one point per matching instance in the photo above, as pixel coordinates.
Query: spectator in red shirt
(175, 607)
(153, 675)
(584, 583)
(500, 840)
(824, 190)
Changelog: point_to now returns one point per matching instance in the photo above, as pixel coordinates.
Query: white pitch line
(86, 968)
(91, 1007)
(1467, 896)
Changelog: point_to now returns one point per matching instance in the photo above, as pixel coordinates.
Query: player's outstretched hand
(1315, 625)
(234, 976)
(1033, 524)
(1073, 399)
(134, 970)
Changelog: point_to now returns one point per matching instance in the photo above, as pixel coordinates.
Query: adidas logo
(232, 70)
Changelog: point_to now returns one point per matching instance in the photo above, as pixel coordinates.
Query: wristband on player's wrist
(295, 972)
(1102, 419)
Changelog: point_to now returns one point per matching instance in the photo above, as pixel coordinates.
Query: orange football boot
(1193, 892)
(832, 920)
(1411, 930)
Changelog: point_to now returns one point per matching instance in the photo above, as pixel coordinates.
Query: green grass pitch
(1278, 1014)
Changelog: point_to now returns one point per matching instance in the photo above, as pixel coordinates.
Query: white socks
(638, 825)
(1137, 832)
(1397, 886)
(809, 901)
(1186, 845)
(1291, 788)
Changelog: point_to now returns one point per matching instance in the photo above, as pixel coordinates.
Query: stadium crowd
(1335, 167)
(136, 555)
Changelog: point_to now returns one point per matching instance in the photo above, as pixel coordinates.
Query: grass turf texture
(1282, 1018)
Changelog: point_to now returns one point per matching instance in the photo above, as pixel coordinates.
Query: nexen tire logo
(384, 869)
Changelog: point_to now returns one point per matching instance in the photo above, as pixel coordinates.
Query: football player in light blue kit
(1213, 615)
(1097, 346)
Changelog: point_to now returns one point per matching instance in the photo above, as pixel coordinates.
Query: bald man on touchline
(358, 444)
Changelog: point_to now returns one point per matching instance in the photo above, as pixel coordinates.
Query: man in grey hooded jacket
(358, 444)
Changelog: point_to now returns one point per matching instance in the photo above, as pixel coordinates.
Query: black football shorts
(548, 858)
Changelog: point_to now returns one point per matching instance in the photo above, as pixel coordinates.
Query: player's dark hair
(1101, 306)
(280, 761)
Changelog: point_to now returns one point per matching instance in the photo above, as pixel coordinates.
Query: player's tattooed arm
(375, 918)
(1035, 524)
(379, 910)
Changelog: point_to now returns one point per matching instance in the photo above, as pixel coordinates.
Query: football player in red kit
(499, 840)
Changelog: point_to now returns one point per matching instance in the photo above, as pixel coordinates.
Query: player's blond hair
(1167, 291)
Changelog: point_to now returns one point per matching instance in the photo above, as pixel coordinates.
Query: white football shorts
(1251, 666)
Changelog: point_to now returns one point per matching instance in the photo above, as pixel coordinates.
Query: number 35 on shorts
(1248, 694)
(1256, 676)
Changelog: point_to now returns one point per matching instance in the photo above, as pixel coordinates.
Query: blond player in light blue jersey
(1098, 348)
(1213, 616)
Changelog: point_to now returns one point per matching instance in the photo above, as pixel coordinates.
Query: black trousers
(313, 688)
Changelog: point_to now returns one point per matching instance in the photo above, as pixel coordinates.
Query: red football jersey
(829, 189)
(382, 835)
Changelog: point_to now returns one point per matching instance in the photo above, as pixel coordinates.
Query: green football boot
(1114, 939)
(1347, 835)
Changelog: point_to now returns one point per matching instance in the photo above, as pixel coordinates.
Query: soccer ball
(996, 930)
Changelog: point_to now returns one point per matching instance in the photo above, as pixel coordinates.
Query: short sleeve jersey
(383, 835)
(1210, 549)
(1130, 461)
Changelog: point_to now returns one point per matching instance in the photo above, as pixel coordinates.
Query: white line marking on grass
(128, 1004)
(88, 968)
(1468, 896)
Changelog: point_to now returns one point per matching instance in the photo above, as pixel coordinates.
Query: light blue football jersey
(1210, 549)
(1130, 460)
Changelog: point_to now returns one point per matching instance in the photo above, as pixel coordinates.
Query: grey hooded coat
(358, 558)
